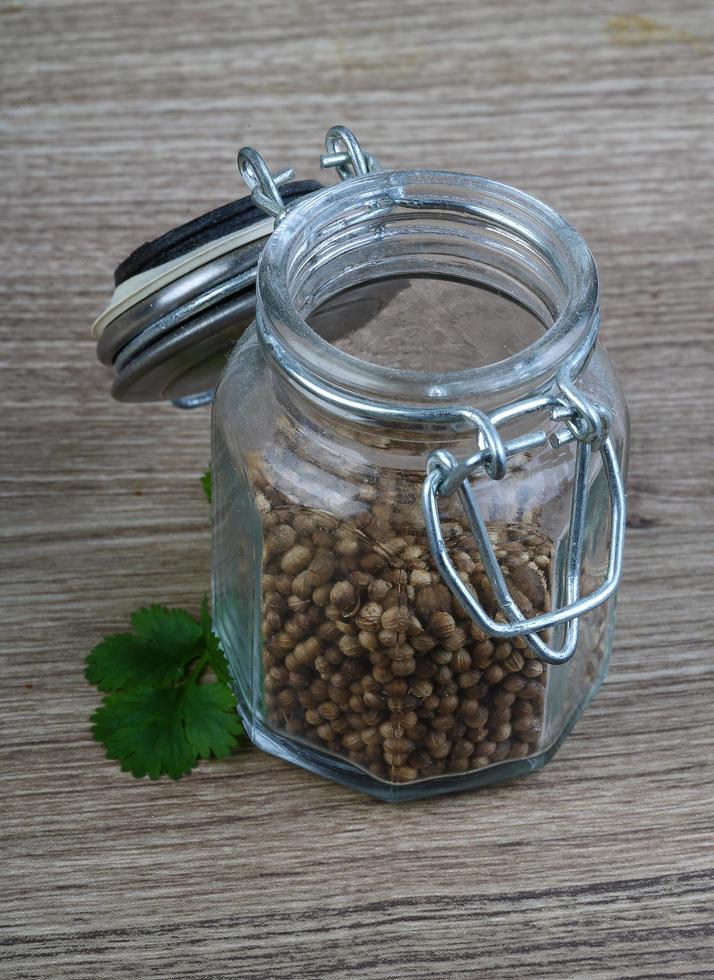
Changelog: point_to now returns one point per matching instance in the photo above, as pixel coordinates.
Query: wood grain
(121, 119)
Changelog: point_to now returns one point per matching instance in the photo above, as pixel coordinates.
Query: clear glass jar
(351, 652)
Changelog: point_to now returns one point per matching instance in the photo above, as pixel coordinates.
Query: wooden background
(121, 119)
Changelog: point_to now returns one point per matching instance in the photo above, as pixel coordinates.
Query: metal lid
(183, 300)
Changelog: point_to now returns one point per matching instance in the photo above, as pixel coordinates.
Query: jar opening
(426, 323)
(425, 287)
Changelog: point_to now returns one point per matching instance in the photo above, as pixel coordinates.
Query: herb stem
(197, 669)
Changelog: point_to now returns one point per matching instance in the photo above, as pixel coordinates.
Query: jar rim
(341, 378)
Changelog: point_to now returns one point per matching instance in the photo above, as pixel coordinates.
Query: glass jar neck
(424, 223)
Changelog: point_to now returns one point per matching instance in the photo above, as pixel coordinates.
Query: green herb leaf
(158, 718)
(210, 720)
(157, 731)
(166, 641)
(207, 484)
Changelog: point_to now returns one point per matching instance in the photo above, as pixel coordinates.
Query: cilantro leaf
(157, 731)
(141, 730)
(166, 641)
(207, 484)
(210, 720)
(158, 719)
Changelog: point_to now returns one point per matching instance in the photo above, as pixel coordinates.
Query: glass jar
(416, 550)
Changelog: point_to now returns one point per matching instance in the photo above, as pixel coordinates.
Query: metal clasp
(587, 424)
(344, 152)
(262, 183)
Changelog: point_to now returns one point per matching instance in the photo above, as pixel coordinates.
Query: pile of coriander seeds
(368, 655)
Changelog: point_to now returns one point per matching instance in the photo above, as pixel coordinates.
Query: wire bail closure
(587, 424)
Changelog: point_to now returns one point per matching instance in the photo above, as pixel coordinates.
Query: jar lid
(182, 301)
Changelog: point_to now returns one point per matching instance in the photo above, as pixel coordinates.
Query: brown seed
(370, 736)
(284, 584)
(325, 732)
(514, 683)
(390, 729)
(388, 638)
(327, 631)
(460, 660)
(377, 589)
(443, 723)
(504, 698)
(347, 545)
(272, 623)
(494, 674)
(360, 580)
(462, 748)
(370, 641)
(420, 578)
(521, 707)
(415, 732)
(420, 759)
(403, 668)
(321, 595)
(305, 523)
(500, 716)
(438, 744)
(286, 699)
(294, 560)
(321, 570)
(533, 691)
(467, 679)
(427, 601)
(397, 743)
(395, 546)
(303, 585)
(280, 540)
(369, 617)
(514, 662)
(414, 628)
(424, 643)
(313, 717)
(501, 733)
(529, 580)
(396, 619)
(502, 651)
(297, 626)
(296, 604)
(275, 602)
(350, 646)
(431, 703)
(397, 576)
(383, 674)
(404, 774)
(328, 710)
(442, 625)
(344, 596)
(352, 741)
(421, 689)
